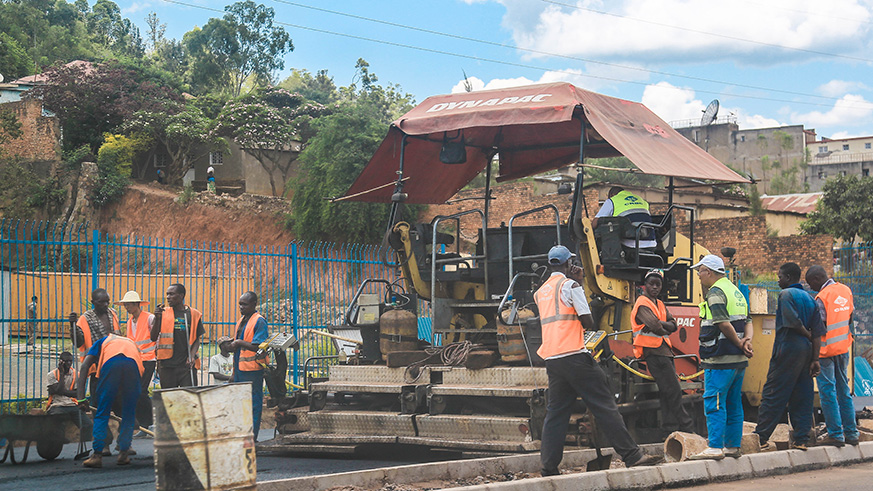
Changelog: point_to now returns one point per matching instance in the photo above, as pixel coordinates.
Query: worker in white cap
(139, 325)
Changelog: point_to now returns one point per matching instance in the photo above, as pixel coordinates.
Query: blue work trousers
(723, 405)
(118, 378)
(836, 398)
(257, 379)
(790, 386)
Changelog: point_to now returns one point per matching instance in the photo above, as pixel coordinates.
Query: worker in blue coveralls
(794, 361)
(248, 361)
(119, 369)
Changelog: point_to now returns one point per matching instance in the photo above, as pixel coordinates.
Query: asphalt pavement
(64, 473)
(848, 478)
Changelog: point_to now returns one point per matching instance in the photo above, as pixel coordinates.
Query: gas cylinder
(398, 331)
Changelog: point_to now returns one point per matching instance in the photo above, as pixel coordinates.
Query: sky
(768, 62)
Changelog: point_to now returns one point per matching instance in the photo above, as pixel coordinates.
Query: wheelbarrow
(47, 430)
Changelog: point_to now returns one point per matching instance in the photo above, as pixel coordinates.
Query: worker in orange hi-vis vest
(248, 359)
(119, 369)
(93, 325)
(61, 387)
(177, 330)
(572, 371)
(139, 327)
(652, 326)
(836, 305)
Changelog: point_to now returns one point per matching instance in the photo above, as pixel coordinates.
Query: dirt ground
(152, 210)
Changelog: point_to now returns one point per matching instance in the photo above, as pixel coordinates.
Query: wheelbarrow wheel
(49, 449)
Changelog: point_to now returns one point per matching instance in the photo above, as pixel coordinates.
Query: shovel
(601, 462)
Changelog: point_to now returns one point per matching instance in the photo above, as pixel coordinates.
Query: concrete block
(750, 443)
(781, 436)
(729, 469)
(638, 478)
(679, 446)
(866, 449)
(814, 458)
(842, 456)
(684, 473)
(593, 481)
(769, 463)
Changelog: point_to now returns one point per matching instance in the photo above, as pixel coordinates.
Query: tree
(185, 136)
(318, 88)
(14, 60)
(264, 124)
(156, 31)
(93, 99)
(843, 210)
(620, 177)
(242, 44)
(114, 164)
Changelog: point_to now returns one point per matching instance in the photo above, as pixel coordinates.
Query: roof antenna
(468, 86)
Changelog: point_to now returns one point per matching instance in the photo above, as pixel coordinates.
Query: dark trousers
(674, 414)
(256, 377)
(177, 376)
(77, 417)
(788, 385)
(118, 384)
(579, 375)
(144, 404)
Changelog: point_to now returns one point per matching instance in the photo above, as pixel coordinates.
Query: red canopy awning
(535, 128)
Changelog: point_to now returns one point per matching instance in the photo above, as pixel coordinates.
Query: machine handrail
(358, 294)
(509, 291)
(528, 212)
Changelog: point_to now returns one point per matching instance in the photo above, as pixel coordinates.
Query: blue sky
(769, 62)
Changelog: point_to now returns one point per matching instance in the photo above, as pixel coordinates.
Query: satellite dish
(710, 113)
(1, 77)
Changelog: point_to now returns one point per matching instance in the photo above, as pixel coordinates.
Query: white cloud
(840, 135)
(135, 7)
(849, 110)
(593, 78)
(751, 121)
(837, 88)
(673, 103)
(645, 30)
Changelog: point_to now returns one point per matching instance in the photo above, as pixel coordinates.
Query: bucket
(203, 438)
(510, 342)
(398, 331)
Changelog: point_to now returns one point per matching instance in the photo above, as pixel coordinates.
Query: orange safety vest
(838, 303)
(248, 359)
(139, 331)
(57, 371)
(87, 342)
(643, 339)
(562, 331)
(164, 347)
(118, 345)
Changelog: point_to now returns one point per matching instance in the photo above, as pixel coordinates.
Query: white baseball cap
(712, 262)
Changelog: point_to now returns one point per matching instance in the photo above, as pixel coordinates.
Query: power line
(707, 33)
(514, 64)
(546, 53)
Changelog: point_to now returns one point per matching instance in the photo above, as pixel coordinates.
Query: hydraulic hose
(649, 377)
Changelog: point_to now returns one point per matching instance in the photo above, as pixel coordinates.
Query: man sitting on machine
(622, 203)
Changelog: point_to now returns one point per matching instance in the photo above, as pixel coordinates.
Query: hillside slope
(149, 210)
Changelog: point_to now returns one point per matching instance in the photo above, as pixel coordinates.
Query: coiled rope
(452, 355)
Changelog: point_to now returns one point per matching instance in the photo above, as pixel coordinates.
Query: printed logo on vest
(841, 301)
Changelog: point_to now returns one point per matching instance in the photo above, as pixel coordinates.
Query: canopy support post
(398, 196)
(670, 189)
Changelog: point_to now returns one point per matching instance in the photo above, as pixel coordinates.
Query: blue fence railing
(48, 270)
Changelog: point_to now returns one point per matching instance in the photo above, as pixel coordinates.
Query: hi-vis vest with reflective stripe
(839, 305)
(248, 360)
(87, 342)
(165, 339)
(644, 339)
(139, 331)
(562, 331)
(636, 209)
(713, 342)
(118, 345)
(58, 376)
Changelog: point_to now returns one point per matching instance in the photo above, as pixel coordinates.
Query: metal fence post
(295, 303)
(95, 258)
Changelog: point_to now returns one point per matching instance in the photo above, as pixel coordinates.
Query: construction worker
(248, 366)
(572, 371)
(119, 369)
(652, 326)
(95, 324)
(139, 327)
(793, 363)
(836, 306)
(177, 329)
(61, 388)
(621, 203)
(725, 346)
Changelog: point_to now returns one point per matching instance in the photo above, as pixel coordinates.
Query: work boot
(106, 452)
(130, 451)
(830, 441)
(646, 460)
(123, 458)
(708, 454)
(852, 441)
(95, 461)
(734, 452)
(550, 472)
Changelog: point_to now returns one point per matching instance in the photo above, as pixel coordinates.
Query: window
(216, 158)
(823, 149)
(865, 172)
(822, 174)
(842, 173)
(696, 135)
(846, 146)
(742, 138)
(867, 146)
(160, 160)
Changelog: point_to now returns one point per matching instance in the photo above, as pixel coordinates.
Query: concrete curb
(671, 475)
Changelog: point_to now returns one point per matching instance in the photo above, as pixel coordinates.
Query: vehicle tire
(49, 449)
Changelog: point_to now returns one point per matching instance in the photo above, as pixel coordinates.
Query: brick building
(41, 132)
